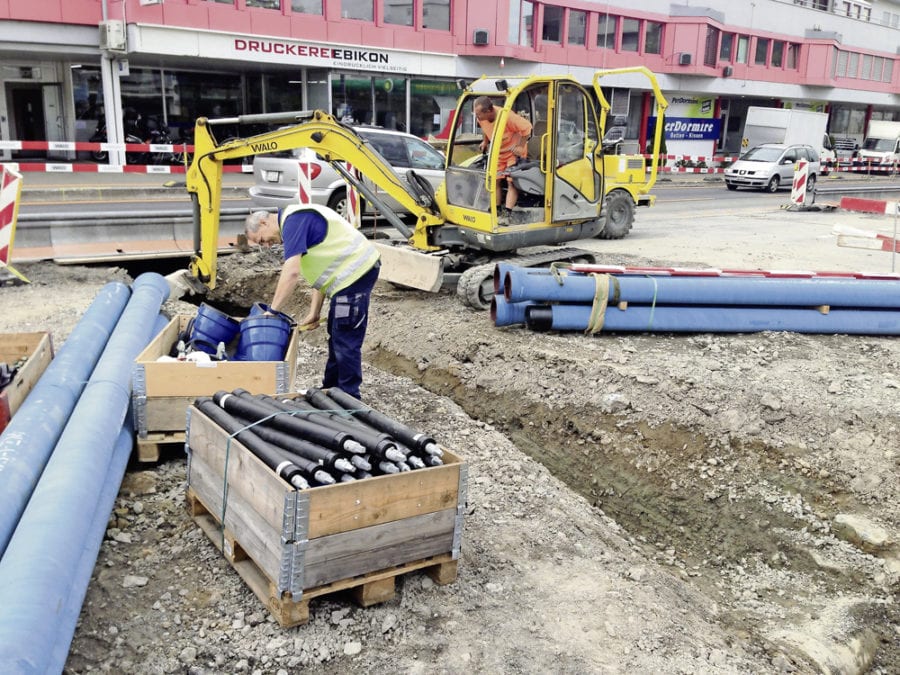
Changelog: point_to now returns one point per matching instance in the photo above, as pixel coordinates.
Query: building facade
(71, 66)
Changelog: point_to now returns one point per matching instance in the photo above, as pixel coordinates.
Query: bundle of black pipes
(320, 437)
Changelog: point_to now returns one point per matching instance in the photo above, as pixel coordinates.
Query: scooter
(131, 137)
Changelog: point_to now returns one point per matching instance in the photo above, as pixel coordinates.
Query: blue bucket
(263, 338)
(211, 327)
(261, 308)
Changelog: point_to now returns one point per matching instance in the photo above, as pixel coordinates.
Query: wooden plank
(167, 413)
(38, 349)
(351, 506)
(374, 592)
(248, 476)
(150, 448)
(257, 539)
(350, 554)
(162, 343)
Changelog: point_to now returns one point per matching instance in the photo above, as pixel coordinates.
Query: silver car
(771, 166)
(276, 177)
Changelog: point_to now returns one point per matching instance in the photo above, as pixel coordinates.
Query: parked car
(770, 166)
(276, 177)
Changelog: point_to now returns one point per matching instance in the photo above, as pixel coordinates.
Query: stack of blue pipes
(62, 460)
(561, 299)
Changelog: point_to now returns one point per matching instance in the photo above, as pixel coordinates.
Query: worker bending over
(340, 264)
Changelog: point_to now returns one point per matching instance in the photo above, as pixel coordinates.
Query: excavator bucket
(405, 266)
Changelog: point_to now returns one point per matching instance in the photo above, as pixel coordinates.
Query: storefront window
(436, 14)
(88, 95)
(431, 104)
(283, 93)
(398, 12)
(307, 7)
(358, 9)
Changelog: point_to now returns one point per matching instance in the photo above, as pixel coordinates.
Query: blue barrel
(263, 338)
(211, 327)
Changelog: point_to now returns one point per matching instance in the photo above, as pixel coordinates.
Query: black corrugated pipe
(317, 400)
(403, 433)
(376, 442)
(275, 458)
(256, 410)
(309, 452)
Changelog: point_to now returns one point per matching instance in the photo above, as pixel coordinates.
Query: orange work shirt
(515, 137)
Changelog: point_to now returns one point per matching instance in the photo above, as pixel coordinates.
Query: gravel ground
(637, 503)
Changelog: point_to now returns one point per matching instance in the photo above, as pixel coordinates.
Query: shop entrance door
(35, 115)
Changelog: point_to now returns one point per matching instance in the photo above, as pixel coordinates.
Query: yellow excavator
(569, 187)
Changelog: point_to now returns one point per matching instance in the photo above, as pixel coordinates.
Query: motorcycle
(150, 132)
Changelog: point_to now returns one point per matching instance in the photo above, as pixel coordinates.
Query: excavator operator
(514, 146)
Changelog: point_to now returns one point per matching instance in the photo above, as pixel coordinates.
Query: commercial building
(69, 65)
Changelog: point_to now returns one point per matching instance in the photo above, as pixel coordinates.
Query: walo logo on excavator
(269, 146)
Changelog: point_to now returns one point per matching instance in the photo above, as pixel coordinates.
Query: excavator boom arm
(317, 130)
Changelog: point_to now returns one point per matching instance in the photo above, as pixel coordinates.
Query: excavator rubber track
(475, 287)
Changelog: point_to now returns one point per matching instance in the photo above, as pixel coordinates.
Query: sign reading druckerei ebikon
(687, 128)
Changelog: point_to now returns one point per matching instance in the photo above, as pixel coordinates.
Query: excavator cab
(560, 182)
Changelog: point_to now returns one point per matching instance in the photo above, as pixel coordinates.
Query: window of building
(712, 46)
(865, 73)
(363, 10)
(577, 27)
(853, 64)
(840, 67)
(888, 73)
(436, 14)
(552, 29)
(726, 45)
(224, 2)
(793, 56)
(653, 37)
(607, 26)
(631, 33)
(265, 4)
(521, 22)
(743, 49)
(762, 51)
(777, 54)
(307, 7)
(398, 12)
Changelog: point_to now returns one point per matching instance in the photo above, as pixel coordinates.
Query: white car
(771, 166)
(276, 177)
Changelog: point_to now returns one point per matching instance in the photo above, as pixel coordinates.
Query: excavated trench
(694, 504)
(657, 484)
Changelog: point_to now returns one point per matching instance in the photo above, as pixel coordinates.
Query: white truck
(790, 127)
(882, 144)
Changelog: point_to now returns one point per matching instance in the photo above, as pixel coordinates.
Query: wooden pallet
(366, 589)
(150, 449)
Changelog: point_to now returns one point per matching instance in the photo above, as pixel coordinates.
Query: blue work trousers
(348, 317)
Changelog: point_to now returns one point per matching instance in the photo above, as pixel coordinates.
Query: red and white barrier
(10, 196)
(870, 205)
(801, 183)
(354, 207)
(855, 238)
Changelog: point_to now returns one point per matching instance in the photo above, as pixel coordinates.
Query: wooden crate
(162, 391)
(294, 545)
(38, 349)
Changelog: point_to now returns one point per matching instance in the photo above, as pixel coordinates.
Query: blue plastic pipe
(501, 268)
(37, 573)
(521, 284)
(67, 617)
(704, 319)
(28, 440)
(505, 313)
